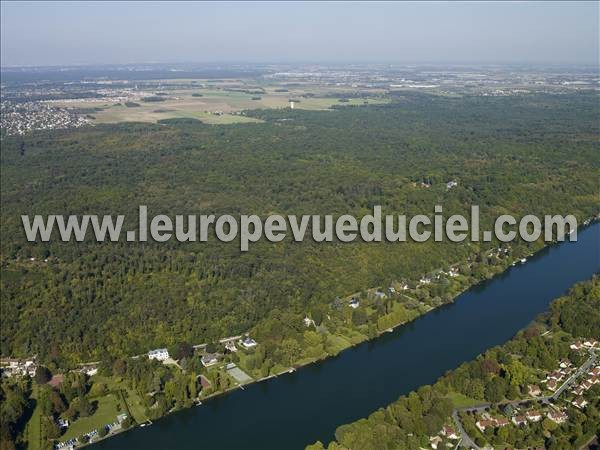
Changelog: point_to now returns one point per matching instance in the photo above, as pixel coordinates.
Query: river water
(294, 410)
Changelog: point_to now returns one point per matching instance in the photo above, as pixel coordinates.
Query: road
(469, 443)
(582, 370)
(465, 438)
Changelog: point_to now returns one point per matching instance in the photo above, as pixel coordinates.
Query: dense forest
(500, 375)
(72, 302)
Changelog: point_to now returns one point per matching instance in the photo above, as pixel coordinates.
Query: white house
(210, 359)
(449, 432)
(519, 420)
(576, 346)
(230, 346)
(160, 354)
(552, 385)
(354, 303)
(557, 416)
(564, 364)
(308, 322)
(435, 441)
(453, 272)
(90, 370)
(533, 416)
(534, 390)
(248, 342)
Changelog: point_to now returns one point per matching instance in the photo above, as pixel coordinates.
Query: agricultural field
(220, 104)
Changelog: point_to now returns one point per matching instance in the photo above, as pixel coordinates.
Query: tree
(42, 375)
(359, 317)
(517, 373)
(84, 407)
(211, 347)
(184, 350)
(71, 413)
(317, 315)
(126, 423)
(49, 428)
(495, 390)
(119, 367)
(504, 433)
(475, 389)
(549, 425)
(289, 350)
(58, 405)
(313, 342)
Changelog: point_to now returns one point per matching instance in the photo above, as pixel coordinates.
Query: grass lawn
(136, 406)
(33, 431)
(134, 401)
(336, 344)
(462, 401)
(105, 413)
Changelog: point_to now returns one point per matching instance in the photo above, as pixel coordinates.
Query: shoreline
(515, 262)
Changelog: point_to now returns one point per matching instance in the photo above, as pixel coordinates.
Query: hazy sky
(49, 33)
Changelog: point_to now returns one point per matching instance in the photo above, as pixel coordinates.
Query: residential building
(519, 420)
(533, 416)
(534, 390)
(434, 441)
(210, 359)
(449, 432)
(579, 402)
(230, 346)
(160, 354)
(248, 342)
(557, 416)
(576, 345)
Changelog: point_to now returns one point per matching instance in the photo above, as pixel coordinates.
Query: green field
(462, 401)
(33, 432)
(218, 106)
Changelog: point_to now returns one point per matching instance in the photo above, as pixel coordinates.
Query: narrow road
(582, 370)
(466, 439)
(469, 443)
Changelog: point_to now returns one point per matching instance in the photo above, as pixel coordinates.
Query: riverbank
(513, 312)
(375, 373)
(541, 389)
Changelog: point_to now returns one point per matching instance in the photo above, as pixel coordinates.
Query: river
(297, 409)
